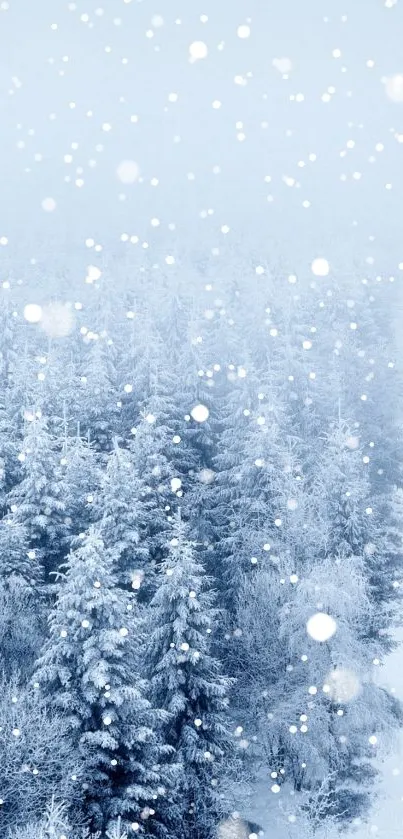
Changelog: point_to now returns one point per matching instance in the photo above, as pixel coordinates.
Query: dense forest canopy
(200, 544)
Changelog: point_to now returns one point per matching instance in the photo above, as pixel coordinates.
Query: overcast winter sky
(67, 69)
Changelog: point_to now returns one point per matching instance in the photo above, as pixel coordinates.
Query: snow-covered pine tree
(99, 408)
(187, 682)
(343, 490)
(8, 342)
(86, 671)
(244, 500)
(124, 519)
(38, 502)
(81, 477)
(147, 448)
(17, 561)
(10, 467)
(312, 707)
(356, 523)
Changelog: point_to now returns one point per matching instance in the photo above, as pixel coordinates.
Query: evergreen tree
(87, 673)
(357, 524)
(38, 502)
(16, 560)
(10, 466)
(99, 403)
(81, 477)
(124, 519)
(186, 681)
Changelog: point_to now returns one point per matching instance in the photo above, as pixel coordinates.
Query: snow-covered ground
(386, 820)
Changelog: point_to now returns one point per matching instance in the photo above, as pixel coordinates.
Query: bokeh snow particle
(137, 579)
(57, 320)
(352, 442)
(394, 88)
(283, 65)
(93, 274)
(200, 413)
(243, 31)
(321, 627)
(206, 476)
(343, 685)
(320, 267)
(128, 172)
(197, 51)
(49, 205)
(32, 312)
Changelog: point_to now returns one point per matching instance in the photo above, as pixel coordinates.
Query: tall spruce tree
(86, 671)
(187, 682)
(125, 520)
(38, 502)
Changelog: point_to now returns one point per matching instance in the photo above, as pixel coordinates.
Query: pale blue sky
(96, 80)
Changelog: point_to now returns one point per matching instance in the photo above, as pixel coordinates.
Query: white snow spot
(49, 205)
(93, 274)
(32, 312)
(243, 31)
(57, 320)
(85, 624)
(206, 476)
(283, 65)
(128, 172)
(321, 627)
(320, 267)
(343, 685)
(352, 442)
(197, 51)
(137, 578)
(176, 484)
(200, 413)
(394, 88)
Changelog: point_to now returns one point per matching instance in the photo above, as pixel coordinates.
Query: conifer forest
(201, 488)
